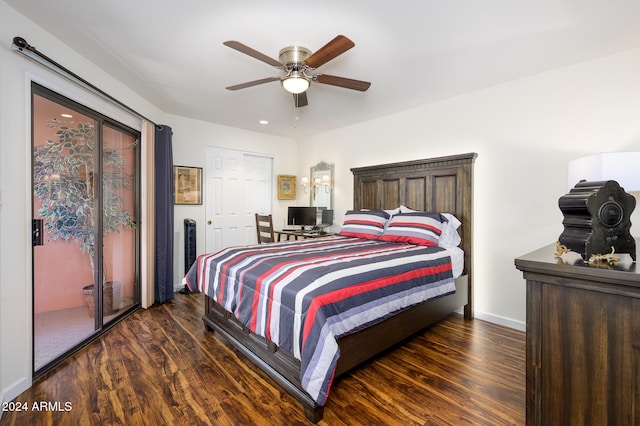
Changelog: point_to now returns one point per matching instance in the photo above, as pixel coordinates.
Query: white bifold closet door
(237, 185)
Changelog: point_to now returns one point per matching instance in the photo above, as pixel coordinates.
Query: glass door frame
(100, 326)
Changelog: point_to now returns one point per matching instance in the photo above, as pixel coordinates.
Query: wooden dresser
(583, 342)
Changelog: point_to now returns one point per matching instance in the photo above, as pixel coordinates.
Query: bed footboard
(284, 369)
(279, 365)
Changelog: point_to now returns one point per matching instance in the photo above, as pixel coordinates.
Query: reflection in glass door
(82, 164)
(119, 163)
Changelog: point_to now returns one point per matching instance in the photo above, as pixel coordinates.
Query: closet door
(238, 185)
(84, 225)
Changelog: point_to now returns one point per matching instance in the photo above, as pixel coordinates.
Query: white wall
(524, 132)
(190, 140)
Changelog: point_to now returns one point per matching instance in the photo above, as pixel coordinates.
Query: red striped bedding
(304, 295)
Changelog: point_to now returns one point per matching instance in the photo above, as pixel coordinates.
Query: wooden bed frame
(443, 184)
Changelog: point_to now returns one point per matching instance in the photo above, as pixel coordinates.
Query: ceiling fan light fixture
(297, 65)
(295, 83)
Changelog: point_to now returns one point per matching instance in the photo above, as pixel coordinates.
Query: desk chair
(264, 228)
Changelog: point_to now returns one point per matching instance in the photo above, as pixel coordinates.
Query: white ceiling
(413, 52)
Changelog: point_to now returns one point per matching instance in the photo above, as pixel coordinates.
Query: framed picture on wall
(187, 184)
(286, 187)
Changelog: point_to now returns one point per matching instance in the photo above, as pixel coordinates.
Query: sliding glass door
(85, 210)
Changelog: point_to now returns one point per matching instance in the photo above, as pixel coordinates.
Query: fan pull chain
(296, 118)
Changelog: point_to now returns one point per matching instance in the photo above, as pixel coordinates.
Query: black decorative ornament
(597, 219)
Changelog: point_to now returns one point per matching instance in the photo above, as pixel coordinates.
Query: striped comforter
(303, 295)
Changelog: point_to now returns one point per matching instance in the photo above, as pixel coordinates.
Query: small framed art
(187, 183)
(286, 187)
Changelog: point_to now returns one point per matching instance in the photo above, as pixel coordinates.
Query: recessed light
(264, 122)
(66, 115)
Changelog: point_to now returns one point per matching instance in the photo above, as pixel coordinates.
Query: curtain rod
(21, 45)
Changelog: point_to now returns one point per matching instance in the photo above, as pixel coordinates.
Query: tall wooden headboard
(440, 185)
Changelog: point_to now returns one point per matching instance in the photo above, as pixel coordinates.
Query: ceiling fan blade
(252, 83)
(334, 48)
(300, 99)
(252, 52)
(347, 83)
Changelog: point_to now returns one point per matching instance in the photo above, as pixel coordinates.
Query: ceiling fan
(298, 64)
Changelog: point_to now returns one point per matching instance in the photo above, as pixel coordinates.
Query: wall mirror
(321, 191)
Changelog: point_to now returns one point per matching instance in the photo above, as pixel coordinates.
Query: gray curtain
(163, 286)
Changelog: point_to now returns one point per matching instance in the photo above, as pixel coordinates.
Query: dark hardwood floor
(160, 367)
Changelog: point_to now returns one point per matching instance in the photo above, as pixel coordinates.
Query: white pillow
(393, 212)
(449, 236)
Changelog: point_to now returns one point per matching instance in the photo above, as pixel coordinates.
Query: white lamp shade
(623, 167)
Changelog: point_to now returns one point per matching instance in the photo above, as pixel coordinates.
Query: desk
(583, 342)
(299, 234)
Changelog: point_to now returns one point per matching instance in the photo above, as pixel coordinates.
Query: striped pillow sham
(418, 228)
(364, 223)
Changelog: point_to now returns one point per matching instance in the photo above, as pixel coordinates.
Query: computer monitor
(303, 216)
(327, 218)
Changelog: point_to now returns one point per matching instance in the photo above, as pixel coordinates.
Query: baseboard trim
(11, 392)
(497, 319)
